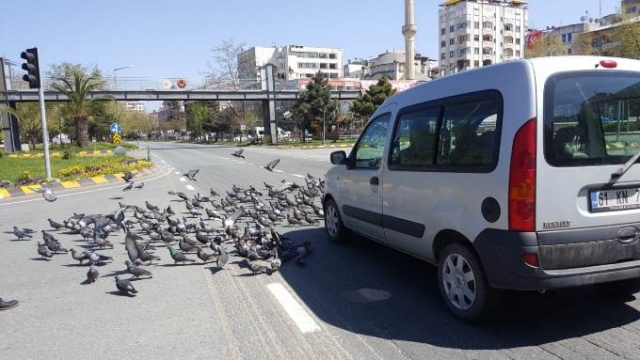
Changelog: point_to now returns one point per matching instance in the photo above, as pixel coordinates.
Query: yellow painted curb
(26, 190)
(35, 187)
(70, 184)
(99, 179)
(4, 193)
(119, 175)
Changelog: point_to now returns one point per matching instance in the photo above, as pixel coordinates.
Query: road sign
(114, 128)
(116, 138)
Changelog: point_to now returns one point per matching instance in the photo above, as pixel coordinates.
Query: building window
(443, 31)
(452, 28)
(476, 63)
(569, 37)
(322, 55)
(463, 52)
(517, 41)
(443, 43)
(518, 28)
(518, 53)
(476, 51)
(452, 41)
(569, 51)
(476, 37)
(462, 25)
(487, 25)
(476, 24)
(508, 27)
(564, 38)
(463, 38)
(332, 56)
(451, 54)
(332, 66)
(323, 65)
(443, 56)
(487, 38)
(487, 51)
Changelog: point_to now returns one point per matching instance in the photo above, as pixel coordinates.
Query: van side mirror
(338, 157)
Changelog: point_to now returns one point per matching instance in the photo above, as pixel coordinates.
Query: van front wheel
(333, 222)
(462, 283)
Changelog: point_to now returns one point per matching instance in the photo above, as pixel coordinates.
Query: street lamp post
(115, 87)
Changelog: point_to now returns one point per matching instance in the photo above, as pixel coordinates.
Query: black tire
(333, 222)
(462, 263)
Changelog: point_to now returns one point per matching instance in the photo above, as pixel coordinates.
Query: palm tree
(79, 104)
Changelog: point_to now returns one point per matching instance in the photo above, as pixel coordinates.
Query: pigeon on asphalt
(204, 256)
(55, 225)
(255, 268)
(272, 164)
(128, 187)
(136, 270)
(47, 194)
(140, 186)
(44, 252)
(125, 287)
(222, 259)
(178, 256)
(191, 175)
(79, 254)
(92, 274)
(130, 245)
(238, 153)
(21, 233)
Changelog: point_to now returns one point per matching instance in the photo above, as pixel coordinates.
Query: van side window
(467, 133)
(415, 138)
(370, 147)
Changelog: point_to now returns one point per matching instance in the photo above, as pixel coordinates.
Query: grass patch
(97, 146)
(23, 171)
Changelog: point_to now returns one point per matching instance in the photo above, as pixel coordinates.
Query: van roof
(478, 79)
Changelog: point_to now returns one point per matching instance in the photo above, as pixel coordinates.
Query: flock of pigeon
(205, 229)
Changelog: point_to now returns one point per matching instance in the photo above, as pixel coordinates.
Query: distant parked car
(1, 144)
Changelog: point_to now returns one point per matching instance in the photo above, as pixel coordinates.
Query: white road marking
(183, 179)
(298, 314)
(278, 171)
(190, 187)
(177, 172)
(297, 175)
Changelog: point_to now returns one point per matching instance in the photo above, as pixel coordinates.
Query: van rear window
(591, 118)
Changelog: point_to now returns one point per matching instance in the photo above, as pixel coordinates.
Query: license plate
(615, 199)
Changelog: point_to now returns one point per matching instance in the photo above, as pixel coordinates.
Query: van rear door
(591, 129)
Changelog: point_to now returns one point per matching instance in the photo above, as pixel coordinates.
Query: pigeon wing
(130, 245)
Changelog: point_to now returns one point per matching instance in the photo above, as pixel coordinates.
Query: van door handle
(374, 181)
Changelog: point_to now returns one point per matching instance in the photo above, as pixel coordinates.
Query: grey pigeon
(238, 153)
(140, 186)
(204, 256)
(130, 245)
(125, 287)
(272, 164)
(96, 258)
(48, 194)
(92, 274)
(178, 256)
(137, 271)
(21, 233)
(255, 268)
(79, 254)
(55, 225)
(222, 259)
(44, 252)
(191, 175)
(128, 176)
(128, 187)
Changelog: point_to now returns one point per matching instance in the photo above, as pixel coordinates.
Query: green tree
(313, 104)
(198, 114)
(627, 35)
(584, 45)
(550, 45)
(366, 104)
(30, 123)
(79, 105)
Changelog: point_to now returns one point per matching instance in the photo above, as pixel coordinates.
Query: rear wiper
(624, 168)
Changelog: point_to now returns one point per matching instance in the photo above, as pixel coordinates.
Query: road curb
(57, 154)
(6, 193)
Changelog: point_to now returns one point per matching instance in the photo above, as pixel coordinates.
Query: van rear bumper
(501, 252)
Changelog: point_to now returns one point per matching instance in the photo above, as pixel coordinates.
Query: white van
(518, 176)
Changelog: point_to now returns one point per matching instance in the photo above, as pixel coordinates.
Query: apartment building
(476, 33)
(292, 62)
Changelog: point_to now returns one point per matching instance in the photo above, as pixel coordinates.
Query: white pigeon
(47, 194)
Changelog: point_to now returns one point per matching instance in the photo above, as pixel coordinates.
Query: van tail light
(522, 179)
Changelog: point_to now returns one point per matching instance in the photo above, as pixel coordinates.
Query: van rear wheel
(463, 285)
(333, 222)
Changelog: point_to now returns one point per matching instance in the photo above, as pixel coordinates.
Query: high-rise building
(292, 62)
(476, 33)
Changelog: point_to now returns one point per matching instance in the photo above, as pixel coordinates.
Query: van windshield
(591, 118)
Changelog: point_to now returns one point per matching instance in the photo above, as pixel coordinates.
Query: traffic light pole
(45, 132)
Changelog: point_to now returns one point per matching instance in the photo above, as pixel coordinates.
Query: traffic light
(33, 69)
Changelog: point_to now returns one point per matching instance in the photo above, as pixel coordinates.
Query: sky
(173, 39)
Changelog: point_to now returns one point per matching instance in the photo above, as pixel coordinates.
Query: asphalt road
(358, 300)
